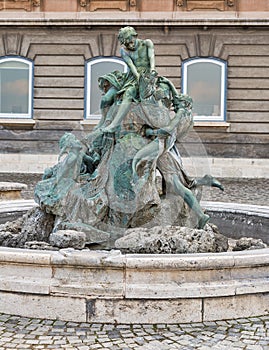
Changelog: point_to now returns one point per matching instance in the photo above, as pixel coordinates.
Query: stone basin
(240, 220)
(110, 287)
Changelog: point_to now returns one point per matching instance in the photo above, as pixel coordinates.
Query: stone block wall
(59, 56)
(108, 287)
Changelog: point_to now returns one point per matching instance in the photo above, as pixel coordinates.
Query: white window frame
(29, 114)
(186, 64)
(89, 64)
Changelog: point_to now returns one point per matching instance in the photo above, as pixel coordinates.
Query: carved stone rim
(105, 285)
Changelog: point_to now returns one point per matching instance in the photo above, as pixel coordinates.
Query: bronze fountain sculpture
(107, 181)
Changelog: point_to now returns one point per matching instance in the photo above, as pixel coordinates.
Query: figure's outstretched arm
(151, 54)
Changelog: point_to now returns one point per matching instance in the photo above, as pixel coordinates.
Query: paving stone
(96, 346)
(139, 341)
(32, 341)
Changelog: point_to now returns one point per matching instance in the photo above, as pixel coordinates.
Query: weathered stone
(68, 238)
(10, 233)
(247, 243)
(12, 226)
(47, 306)
(235, 307)
(143, 311)
(37, 226)
(221, 240)
(39, 245)
(94, 234)
(172, 240)
(8, 239)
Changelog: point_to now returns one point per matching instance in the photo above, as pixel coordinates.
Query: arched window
(204, 79)
(94, 69)
(16, 87)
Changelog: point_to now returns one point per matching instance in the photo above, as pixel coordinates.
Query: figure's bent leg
(108, 99)
(123, 110)
(191, 200)
(148, 153)
(170, 84)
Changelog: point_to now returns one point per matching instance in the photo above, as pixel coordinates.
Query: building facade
(52, 52)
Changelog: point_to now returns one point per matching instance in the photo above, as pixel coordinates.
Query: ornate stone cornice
(12, 19)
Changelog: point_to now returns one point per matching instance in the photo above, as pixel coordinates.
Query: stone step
(11, 190)
(231, 207)
(12, 209)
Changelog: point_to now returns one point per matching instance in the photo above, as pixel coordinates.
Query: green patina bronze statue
(107, 181)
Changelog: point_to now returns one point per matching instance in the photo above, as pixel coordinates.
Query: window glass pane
(98, 69)
(14, 88)
(14, 64)
(204, 86)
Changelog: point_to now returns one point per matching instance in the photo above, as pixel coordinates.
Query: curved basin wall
(108, 287)
(236, 220)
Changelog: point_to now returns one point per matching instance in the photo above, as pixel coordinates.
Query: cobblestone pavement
(248, 334)
(246, 191)
(25, 333)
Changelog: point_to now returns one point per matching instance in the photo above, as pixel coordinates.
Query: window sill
(211, 125)
(16, 122)
(89, 123)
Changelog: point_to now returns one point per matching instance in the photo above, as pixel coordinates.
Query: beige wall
(253, 5)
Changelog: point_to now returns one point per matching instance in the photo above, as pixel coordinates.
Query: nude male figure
(139, 56)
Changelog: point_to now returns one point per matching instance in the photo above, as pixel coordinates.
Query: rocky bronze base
(34, 230)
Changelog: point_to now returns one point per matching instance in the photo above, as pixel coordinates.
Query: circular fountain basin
(236, 220)
(110, 287)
